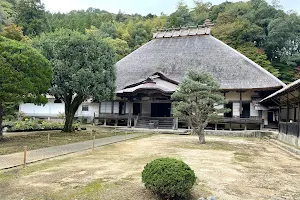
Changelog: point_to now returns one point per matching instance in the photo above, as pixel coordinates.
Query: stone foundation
(246, 133)
(289, 139)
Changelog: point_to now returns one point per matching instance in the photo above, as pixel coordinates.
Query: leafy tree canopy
(83, 69)
(25, 74)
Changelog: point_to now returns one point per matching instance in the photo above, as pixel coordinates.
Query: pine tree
(197, 100)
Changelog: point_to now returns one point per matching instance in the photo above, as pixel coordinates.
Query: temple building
(148, 77)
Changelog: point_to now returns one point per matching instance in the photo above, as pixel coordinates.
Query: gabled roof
(174, 56)
(157, 81)
(281, 96)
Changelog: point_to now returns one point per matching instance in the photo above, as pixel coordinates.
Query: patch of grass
(243, 157)
(18, 172)
(39, 139)
(91, 191)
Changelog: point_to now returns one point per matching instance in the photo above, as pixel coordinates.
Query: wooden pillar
(287, 113)
(112, 107)
(298, 117)
(129, 113)
(175, 123)
(279, 117)
(241, 106)
(99, 113)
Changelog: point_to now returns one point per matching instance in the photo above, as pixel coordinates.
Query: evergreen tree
(83, 69)
(31, 16)
(25, 74)
(197, 100)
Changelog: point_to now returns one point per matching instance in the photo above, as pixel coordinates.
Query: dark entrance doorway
(136, 108)
(229, 106)
(270, 117)
(246, 110)
(160, 109)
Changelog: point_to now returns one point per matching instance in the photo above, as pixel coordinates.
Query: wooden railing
(233, 120)
(289, 128)
(227, 120)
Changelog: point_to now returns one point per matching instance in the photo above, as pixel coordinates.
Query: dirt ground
(229, 168)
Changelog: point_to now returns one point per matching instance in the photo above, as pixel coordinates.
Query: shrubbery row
(34, 125)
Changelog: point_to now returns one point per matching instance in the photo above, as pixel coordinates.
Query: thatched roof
(174, 56)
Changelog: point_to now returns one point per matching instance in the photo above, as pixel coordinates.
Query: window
(57, 101)
(85, 108)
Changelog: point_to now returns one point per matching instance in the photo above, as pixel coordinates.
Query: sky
(142, 7)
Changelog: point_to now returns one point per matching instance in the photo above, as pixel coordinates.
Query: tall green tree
(119, 46)
(25, 74)
(83, 69)
(181, 16)
(258, 56)
(31, 16)
(197, 100)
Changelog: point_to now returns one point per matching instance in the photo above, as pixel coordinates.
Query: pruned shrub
(168, 177)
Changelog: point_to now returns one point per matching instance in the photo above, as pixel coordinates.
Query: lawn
(229, 168)
(36, 140)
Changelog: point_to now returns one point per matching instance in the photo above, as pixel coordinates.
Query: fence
(289, 128)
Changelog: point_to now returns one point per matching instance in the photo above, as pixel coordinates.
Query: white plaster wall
(253, 112)
(106, 107)
(127, 108)
(235, 109)
(50, 109)
(146, 108)
(247, 96)
(265, 117)
(232, 96)
(116, 107)
(93, 108)
(235, 96)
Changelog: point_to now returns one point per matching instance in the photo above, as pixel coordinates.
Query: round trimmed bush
(169, 178)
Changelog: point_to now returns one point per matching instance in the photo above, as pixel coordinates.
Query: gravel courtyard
(229, 168)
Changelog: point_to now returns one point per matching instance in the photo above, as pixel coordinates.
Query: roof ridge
(252, 62)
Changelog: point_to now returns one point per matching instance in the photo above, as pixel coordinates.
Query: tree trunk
(70, 109)
(200, 133)
(1, 118)
(69, 121)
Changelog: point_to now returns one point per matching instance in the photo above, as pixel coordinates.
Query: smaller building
(287, 101)
(54, 109)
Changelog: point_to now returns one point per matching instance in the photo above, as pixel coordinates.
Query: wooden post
(245, 127)
(287, 113)
(104, 122)
(94, 143)
(25, 156)
(241, 106)
(279, 117)
(94, 119)
(216, 127)
(298, 117)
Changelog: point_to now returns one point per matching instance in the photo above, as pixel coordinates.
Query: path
(16, 159)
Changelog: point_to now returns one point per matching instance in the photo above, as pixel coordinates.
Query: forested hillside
(263, 32)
